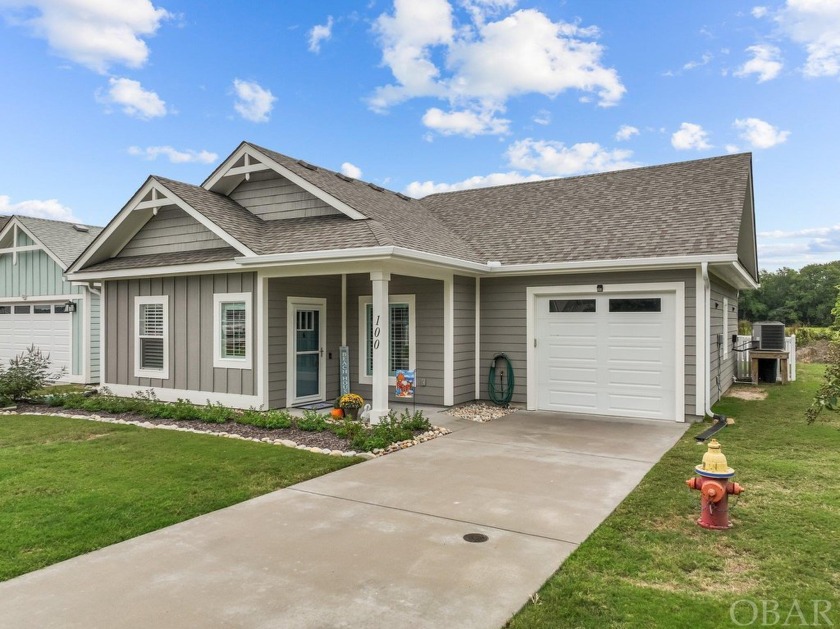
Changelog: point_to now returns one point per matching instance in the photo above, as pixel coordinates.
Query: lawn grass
(70, 486)
(650, 565)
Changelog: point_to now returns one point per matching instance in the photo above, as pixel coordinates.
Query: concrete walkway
(378, 544)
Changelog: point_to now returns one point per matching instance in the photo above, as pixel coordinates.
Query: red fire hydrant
(712, 481)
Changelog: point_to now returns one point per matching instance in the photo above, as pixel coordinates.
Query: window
(571, 305)
(232, 330)
(401, 352)
(151, 337)
(60, 309)
(42, 309)
(5, 310)
(653, 304)
(22, 309)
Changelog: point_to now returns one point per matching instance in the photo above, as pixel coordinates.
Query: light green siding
(23, 240)
(35, 273)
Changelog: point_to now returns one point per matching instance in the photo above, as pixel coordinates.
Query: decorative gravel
(480, 412)
(324, 442)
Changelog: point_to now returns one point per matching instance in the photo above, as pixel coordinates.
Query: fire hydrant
(713, 484)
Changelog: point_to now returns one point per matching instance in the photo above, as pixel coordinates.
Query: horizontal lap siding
(464, 345)
(191, 332)
(722, 369)
(279, 289)
(428, 329)
(271, 196)
(171, 230)
(503, 320)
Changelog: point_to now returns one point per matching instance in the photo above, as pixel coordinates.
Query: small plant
(312, 421)
(27, 372)
(272, 420)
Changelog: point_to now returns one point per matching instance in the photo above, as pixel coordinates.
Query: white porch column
(381, 336)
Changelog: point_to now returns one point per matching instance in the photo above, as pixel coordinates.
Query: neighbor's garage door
(47, 326)
(607, 354)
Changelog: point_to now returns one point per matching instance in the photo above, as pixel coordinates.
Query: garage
(609, 353)
(45, 325)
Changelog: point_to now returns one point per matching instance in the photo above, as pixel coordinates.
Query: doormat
(316, 406)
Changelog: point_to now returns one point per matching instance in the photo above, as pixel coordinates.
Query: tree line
(809, 296)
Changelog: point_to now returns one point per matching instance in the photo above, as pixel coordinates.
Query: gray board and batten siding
(191, 332)
(172, 230)
(464, 339)
(271, 196)
(726, 374)
(504, 321)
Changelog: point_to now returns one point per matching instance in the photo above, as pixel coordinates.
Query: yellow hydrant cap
(714, 460)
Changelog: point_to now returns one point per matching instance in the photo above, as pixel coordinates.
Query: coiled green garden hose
(502, 392)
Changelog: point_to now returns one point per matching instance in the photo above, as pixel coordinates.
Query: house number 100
(376, 332)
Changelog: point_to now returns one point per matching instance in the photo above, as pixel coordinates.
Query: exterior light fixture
(600, 288)
(70, 306)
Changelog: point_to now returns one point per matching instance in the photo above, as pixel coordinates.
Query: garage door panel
(49, 332)
(612, 363)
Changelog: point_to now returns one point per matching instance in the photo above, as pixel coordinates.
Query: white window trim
(364, 300)
(725, 328)
(162, 374)
(218, 360)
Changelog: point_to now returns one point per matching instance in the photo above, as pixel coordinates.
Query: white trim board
(232, 363)
(678, 288)
(230, 400)
(139, 371)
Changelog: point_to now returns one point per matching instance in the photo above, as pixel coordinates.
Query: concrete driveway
(379, 544)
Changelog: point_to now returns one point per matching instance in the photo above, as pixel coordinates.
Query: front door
(306, 344)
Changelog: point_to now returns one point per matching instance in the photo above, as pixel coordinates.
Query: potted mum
(350, 403)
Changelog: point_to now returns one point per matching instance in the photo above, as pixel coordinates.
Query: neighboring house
(612, 294)
(38, 306)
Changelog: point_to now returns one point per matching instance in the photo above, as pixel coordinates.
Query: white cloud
(760, 134)
(319, 33)
(479, 66)
(759, 12)
(49, 208)
(173, 155)
(419, 189)
(253, 102)
(816, 25)
(557, 159)
(542, 117)
(351, 170)
(467, 123)
(765, 63)
(796, 248)
(625, 132)
(133, 99)
(690, 136)
(94, 33)
(704, 60)
(731, 148)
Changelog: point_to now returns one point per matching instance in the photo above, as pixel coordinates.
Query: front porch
(381, 322)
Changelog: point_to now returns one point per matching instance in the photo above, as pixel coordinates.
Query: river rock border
(435, 432)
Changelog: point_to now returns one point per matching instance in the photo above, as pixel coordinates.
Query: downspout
(707, 318)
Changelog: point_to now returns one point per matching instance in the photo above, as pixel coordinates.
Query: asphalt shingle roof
(166, 259)
(676, 209)
(61, 238)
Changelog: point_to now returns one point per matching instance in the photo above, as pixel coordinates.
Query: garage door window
(653, 304)
(151, 343)
(41, 309)
(5, 310)
(571, 305)
(60, 309)
(21, 309)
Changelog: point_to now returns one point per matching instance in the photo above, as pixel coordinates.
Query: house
(38, 306)
(612, 294)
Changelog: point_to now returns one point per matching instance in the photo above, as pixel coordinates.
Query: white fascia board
(180, 269)
(622, 264)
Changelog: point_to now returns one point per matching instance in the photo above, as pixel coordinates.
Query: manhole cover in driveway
(475, 538)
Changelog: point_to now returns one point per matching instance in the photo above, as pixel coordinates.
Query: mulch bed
(325, 439)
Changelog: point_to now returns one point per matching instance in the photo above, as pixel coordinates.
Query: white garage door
(47, 326)
(607, 354)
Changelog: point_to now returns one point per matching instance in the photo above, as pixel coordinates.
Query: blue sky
(423, 96)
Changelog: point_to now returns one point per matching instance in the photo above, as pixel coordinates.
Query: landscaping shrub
(216, 413)
(27, 372)
(390, 429)
(312, 421)
(828, 396)
(807, 335)
(268, 419)
(744, 328)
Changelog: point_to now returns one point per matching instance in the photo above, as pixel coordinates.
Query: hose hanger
(500, 381)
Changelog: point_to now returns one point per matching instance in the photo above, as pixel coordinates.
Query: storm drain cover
(475, 538)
